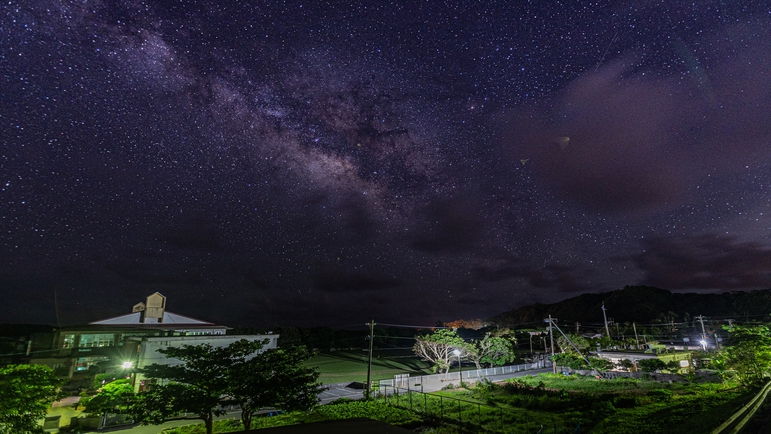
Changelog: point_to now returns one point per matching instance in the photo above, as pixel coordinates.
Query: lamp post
(460, 372)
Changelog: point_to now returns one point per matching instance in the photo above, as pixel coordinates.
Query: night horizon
(324, 165)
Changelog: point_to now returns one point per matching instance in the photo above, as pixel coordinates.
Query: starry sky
(325, 163)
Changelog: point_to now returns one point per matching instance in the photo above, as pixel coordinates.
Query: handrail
(747, 411)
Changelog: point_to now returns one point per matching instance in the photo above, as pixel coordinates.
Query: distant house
(656, 352)
(136, 338)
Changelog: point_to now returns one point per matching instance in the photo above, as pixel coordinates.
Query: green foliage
(113, 397)
(495, 351)
(102, 379)
(26, 392)
(747, 353)
(627, 364)
(377, 410)
(210, 378)
(570, 360)
(196, 386)
(580, 342)
(673, 366)
(345, 409)
(651, 365)
(600, 364)
(274, 378)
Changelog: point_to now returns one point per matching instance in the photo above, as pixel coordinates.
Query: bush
(660, 395)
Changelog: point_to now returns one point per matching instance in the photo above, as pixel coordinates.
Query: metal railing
(454, 378)
(735, 423)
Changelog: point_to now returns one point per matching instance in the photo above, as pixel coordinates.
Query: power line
(413, 326)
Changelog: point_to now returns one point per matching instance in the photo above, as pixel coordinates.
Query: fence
(438, 381)
(474, 416)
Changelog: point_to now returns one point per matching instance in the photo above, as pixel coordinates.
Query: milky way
(280, 163)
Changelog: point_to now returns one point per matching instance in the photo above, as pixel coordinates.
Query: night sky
(325, 163)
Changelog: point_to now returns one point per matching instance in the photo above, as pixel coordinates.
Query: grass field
(348, 366)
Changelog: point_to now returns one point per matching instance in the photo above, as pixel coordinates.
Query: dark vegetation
(615, 406)
(645, 304)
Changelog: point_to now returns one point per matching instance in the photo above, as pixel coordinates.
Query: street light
(127, 365)
(460, 372)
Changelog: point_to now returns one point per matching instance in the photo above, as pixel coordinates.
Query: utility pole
(730, 325)
(551, 338)
(578, 324)
(369, 363)
(703, 332)
(606, 319)
(636, 339)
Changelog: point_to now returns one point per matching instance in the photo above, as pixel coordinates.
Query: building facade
(107, 344)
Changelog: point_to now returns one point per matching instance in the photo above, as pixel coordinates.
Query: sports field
(348, 366)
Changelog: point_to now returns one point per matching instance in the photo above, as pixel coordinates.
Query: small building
(135, 337)
(683, 357)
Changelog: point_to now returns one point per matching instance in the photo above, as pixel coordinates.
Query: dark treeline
(644, 304)
(325, 338)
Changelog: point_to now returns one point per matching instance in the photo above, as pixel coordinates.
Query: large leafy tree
(275, 378)
(564, 345)
(491, 350)
(26, 393)
(437, 347)
(748, 353)
(197, 386)
(113, 397)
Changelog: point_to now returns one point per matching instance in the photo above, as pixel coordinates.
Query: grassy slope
(695, 408)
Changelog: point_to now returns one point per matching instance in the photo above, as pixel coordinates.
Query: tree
(748, 353)
(26, 393)
(113, 397)
(437, 348)
(213, 377)
(651, 365)
(491, 350)
(275, 378)
(580, 342)
(197, 386)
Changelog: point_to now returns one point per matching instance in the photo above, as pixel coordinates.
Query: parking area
(340, 391)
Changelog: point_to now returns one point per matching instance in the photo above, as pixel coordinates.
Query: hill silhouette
(645, 304)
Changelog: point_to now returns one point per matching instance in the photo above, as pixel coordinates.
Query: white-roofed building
(136, 337)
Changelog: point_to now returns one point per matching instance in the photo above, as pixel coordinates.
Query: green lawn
(344, 366)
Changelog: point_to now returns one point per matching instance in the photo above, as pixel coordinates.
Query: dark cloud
(620, 141)
(704, 262)
(331, 278)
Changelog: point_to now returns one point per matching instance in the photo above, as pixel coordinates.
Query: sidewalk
(66, 409)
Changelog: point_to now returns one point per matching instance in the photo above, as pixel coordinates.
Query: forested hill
(645, 304)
